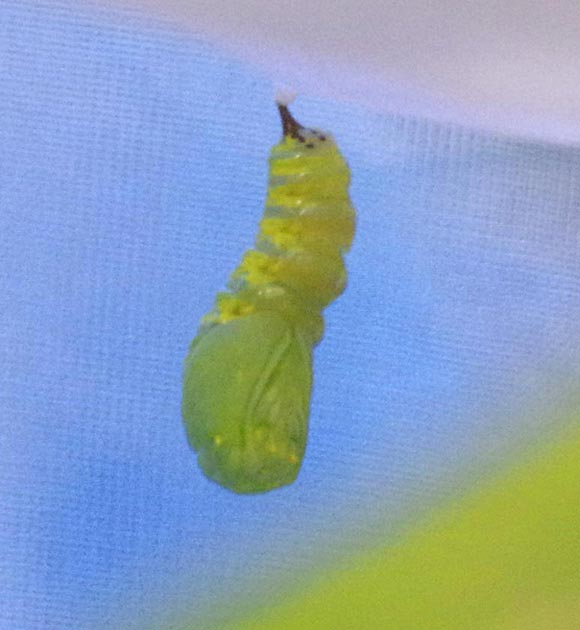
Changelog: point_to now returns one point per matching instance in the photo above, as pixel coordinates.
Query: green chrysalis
(248, 374)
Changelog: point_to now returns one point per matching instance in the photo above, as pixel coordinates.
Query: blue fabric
(132, 177)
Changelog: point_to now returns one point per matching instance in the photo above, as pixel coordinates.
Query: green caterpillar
(248, 373)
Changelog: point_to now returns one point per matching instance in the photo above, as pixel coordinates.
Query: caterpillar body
(248, 373)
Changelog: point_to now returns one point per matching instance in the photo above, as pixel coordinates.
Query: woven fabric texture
(132, 177)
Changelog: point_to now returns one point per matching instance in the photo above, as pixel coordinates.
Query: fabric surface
(499, 66)
(132, 178)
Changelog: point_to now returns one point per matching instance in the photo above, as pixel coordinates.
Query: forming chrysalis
(248, 373)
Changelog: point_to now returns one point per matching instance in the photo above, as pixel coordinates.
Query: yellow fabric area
(506, 557)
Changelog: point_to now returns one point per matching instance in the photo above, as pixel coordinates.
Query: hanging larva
(248, 373)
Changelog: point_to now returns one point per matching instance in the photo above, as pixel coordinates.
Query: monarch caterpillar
(248, 373)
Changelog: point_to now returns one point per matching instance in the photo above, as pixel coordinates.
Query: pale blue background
(132, 174)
